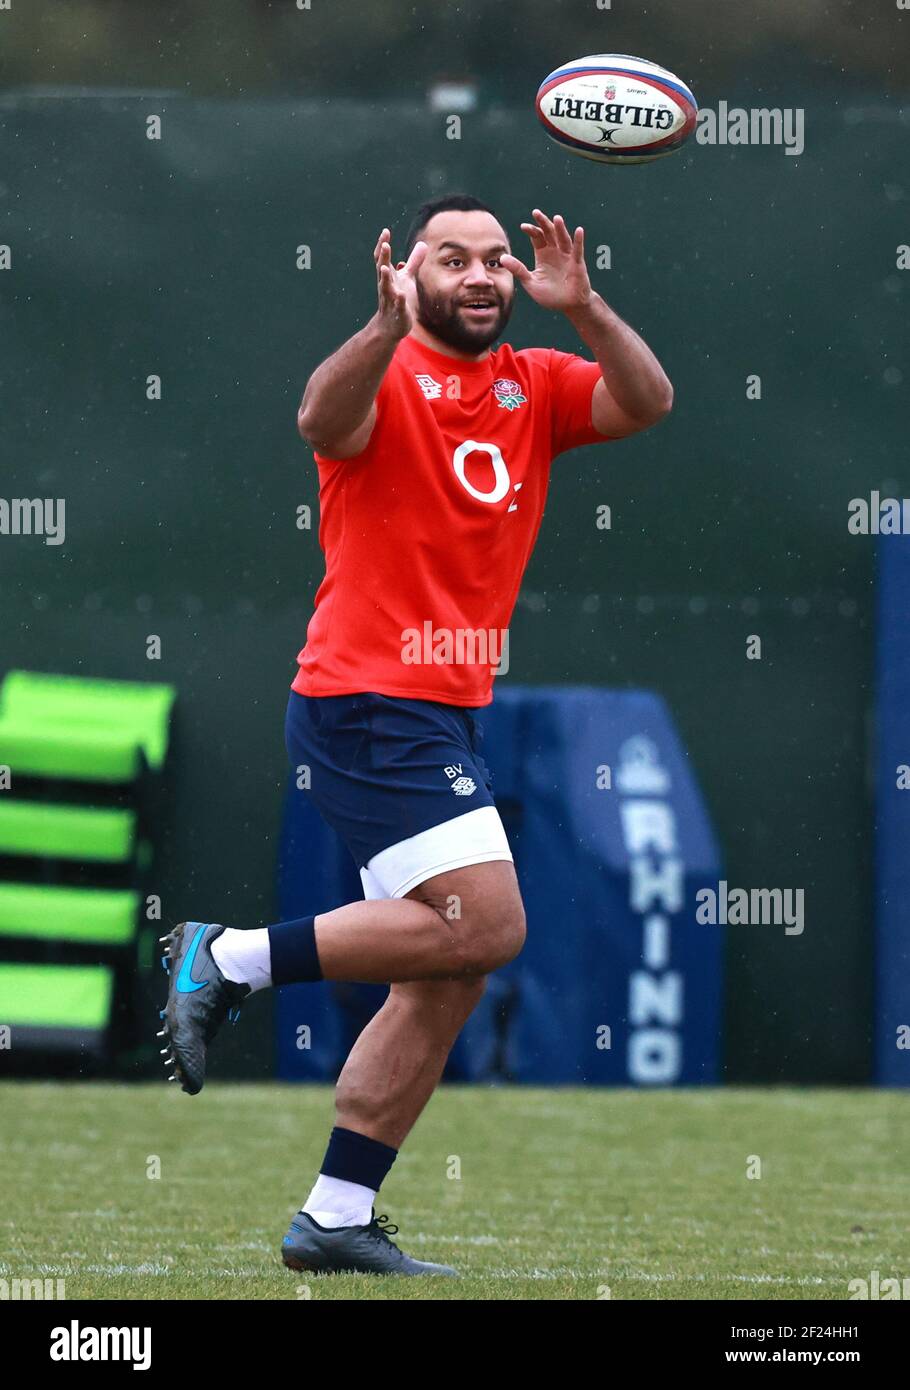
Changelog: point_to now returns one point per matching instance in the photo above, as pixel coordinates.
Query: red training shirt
(428, 530)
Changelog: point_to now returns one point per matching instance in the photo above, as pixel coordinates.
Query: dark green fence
(178, 258)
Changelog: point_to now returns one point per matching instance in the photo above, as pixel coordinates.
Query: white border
(473, 838)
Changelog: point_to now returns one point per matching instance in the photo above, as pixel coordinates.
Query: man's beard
(442, 318)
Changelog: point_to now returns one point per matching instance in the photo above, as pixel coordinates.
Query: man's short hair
(452, 202)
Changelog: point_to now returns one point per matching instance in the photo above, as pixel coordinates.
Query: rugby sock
(295, 959)
(334, 1202)
(352, 1173)
(244, 957)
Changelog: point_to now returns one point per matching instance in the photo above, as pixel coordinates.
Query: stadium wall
(181, 258)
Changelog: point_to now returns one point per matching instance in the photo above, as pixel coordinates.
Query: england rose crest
(508, 393)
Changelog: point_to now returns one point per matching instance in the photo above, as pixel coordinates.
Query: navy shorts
(401, 781)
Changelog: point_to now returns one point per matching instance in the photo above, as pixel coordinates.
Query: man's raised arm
(634, 392)
(338, 410)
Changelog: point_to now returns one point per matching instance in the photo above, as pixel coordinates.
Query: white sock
(335, 1202)
(244, 957)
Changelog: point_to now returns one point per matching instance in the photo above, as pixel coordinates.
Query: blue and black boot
(350, 1249)
(199, 999)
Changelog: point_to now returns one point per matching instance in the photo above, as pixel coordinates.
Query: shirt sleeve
(386, 386)
(572, 382)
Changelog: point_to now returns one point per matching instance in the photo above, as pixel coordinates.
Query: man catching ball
(434, 453)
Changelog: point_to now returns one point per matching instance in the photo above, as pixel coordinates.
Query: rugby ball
(616, 109)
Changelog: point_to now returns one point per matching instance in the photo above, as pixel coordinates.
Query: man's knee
(491, 935)
(509, 932)
(481, 910)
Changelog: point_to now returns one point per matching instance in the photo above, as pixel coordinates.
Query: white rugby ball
(616, 109)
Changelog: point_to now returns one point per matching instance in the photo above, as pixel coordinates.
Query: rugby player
(434, 451)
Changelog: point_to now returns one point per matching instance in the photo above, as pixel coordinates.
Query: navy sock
(356, 1158)
(292, 946)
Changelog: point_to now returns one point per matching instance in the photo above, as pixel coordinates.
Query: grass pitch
(531, 1194)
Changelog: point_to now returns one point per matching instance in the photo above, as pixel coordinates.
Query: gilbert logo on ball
(616, 109)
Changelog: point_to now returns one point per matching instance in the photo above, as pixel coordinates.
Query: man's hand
(397, 288)
(559, 279)
(338, 410)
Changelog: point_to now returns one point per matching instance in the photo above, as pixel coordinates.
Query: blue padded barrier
(892, 813)
(617, 984)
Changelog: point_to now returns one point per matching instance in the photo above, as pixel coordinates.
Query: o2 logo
(502, 483)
